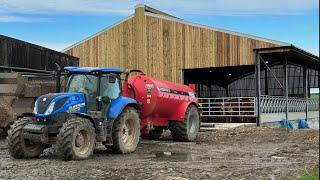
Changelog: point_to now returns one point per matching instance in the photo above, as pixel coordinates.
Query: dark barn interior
(282, 70)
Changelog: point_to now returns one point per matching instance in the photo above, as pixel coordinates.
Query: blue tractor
(90, 110)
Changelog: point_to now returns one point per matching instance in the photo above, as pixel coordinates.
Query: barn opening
(279, 86)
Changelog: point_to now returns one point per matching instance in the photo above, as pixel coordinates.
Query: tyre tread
(178, 129)
(65, 137)
(14, 140)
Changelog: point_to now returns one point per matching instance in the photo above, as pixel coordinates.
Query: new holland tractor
(96, 106)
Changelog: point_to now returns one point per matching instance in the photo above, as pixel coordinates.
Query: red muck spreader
(164, 105)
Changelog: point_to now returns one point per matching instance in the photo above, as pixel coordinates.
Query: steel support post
(266, 84)
(305, 87)
(226, 87)
(258, 91)
(199, 89)
(285, 75)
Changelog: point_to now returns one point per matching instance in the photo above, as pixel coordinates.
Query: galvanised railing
(247, 106)
(277, 104)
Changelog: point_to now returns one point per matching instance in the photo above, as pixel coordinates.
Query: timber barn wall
(162, 45)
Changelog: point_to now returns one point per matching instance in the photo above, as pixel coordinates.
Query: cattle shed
(21, 55)
(238, 77)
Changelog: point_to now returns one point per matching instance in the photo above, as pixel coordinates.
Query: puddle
(172, 156)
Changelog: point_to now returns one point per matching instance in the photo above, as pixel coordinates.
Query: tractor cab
(101, 86)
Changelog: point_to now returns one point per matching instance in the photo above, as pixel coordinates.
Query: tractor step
(35, 133)
(35, 128)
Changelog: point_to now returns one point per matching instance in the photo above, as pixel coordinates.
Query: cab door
(109, 90)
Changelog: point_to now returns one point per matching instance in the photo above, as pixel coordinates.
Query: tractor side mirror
(103, 99)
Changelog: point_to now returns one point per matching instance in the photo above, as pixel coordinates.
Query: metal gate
(228, 107)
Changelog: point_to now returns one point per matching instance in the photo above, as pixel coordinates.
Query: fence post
(285, 70)
(223, 106)
(305, 86)
(258, 92)
(255, 106)
(239, 106)
(209, 105)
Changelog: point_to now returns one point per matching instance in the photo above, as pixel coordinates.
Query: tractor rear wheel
(76, 139)
(126, 132)
(20, 147)
(187, 129)
(154, 134)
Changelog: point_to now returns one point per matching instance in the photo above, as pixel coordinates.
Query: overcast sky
(58, 24)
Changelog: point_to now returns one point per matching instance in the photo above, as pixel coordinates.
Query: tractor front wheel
(126, 131)
(20, 147)
(76, 139)
(187, 129)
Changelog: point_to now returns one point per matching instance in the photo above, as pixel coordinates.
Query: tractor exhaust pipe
(127, 87)
(58, 76)
(129, 71)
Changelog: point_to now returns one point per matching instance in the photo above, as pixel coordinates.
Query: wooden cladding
(17, 53)
(114, 47)
(162, 47)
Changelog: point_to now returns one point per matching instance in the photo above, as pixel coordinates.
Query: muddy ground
(242, 153)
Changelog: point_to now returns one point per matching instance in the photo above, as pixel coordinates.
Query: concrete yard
(241, 153)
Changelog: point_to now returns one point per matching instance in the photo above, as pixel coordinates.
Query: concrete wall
(273, 119)
(276, 117)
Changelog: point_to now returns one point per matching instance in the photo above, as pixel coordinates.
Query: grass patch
(314, 96)
(310, 174)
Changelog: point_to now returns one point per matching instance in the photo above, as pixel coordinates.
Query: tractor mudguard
(86, 116)
(118, 105)
(83, 115)
(181, 111)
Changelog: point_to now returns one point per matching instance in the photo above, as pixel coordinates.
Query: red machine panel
(160, 100)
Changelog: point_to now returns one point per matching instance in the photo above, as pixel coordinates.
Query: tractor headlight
(50, 108)
(35, 109)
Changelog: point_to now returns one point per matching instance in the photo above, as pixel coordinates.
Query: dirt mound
(6, 115)
(260, 135)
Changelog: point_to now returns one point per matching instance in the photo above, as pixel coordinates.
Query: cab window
(110, 86)
(86, 84)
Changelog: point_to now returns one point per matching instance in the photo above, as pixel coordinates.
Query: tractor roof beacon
(97, 107)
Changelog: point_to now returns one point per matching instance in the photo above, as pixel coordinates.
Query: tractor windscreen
(110, 86)
(86, 84)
